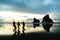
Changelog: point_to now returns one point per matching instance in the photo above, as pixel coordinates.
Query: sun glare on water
(12, 15)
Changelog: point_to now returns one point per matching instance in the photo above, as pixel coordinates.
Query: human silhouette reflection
(14, 34)
(47, 27)
(18, 32)
(23, 29)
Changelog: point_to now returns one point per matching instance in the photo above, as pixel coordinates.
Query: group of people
(18, 25)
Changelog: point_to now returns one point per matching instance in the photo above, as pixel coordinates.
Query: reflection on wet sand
(18, 36)
(36, 22)
(36, 25)
(47, 27)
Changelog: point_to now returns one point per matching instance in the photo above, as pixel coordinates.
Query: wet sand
(32, 36)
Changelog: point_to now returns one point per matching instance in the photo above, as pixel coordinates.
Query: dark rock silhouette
(36, 22)
(47, 19)
(47, 27)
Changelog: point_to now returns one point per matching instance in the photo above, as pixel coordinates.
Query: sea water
(6, 28)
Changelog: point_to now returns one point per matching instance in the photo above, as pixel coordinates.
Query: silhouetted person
(47, 19)
(14, 25)
(47, 27)
(18, 24)
(23, 23)
(36, 22)
(23, 29)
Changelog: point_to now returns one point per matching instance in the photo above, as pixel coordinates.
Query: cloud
(38, 6)
(47, 2)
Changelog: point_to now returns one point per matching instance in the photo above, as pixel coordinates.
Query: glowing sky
(30, 8)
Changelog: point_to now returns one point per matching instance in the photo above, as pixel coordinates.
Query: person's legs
(18, 27)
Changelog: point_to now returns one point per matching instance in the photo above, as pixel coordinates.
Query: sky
(30, 8)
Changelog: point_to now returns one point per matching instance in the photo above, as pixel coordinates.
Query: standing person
(18, 24)
(14, 25)
(23, 23)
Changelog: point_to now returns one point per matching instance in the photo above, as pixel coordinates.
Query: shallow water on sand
(7, 29)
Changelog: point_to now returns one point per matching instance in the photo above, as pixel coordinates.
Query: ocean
(6, 28)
